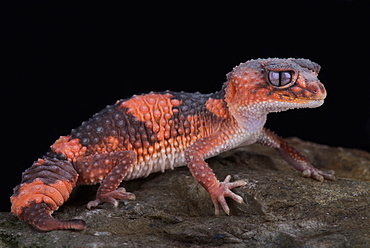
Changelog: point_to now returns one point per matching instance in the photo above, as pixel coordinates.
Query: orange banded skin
(162, 130)
(45, 186)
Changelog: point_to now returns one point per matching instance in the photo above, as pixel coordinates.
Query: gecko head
(273, 85)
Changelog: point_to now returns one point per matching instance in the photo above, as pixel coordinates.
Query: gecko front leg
(200, 170)
(293, 157)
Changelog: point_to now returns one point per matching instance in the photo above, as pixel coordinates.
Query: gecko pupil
(280, 78)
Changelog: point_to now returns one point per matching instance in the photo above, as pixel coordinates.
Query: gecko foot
(222, 190)
(318, 174)
(112, 197)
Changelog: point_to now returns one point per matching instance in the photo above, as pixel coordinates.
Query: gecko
(157, 131)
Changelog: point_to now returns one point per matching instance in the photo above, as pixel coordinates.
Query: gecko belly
(144, 166)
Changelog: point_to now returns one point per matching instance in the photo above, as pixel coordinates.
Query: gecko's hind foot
(111, 197)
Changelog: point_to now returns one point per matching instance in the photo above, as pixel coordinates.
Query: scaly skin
(158, 131)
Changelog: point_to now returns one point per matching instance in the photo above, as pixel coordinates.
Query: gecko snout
(317, 90)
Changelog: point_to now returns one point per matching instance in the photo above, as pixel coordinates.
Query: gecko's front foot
(112, 197)
(221, 190)
(318, 174)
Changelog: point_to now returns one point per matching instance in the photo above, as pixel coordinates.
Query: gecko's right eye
(280, 78)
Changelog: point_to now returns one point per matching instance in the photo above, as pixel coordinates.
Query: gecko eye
(280, 78)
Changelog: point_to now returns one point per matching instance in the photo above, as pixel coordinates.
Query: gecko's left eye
(280, 78)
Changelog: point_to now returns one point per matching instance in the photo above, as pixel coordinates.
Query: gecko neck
(248, 120)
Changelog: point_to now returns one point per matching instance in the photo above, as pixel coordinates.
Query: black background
(62, 62)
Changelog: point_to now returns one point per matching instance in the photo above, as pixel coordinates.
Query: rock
(281, 209)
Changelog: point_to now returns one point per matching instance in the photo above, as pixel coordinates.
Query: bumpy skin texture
(158, 131)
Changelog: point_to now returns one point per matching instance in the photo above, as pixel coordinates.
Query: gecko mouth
(301, 102)
(299, 98)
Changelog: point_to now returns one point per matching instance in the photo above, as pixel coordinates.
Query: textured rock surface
(281, 208)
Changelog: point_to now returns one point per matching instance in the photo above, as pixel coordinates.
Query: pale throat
(250, 119)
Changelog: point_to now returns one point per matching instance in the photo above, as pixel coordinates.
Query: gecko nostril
(314, 89)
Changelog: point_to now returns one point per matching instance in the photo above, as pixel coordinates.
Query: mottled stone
(281, 209)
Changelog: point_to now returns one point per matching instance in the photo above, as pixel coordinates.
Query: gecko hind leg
(108, 190)
(116, 165)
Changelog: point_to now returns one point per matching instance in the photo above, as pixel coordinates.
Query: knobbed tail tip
(53, 224)
(39, 216)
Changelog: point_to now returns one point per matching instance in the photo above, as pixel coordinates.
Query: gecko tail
(45, 186)
(39, 216)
